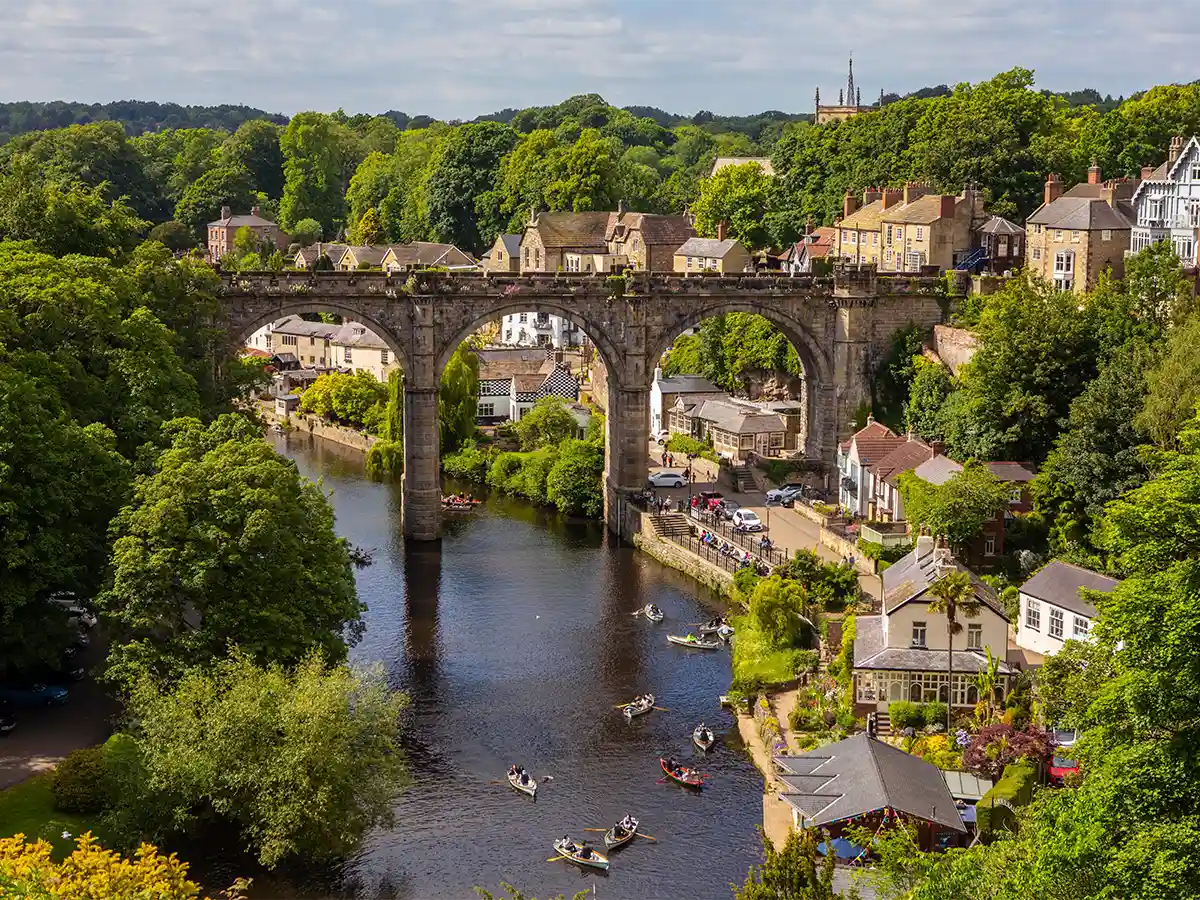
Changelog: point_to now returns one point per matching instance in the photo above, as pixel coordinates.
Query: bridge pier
(421, 492)
(626, 439)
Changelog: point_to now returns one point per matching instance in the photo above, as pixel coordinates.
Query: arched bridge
(840, 327)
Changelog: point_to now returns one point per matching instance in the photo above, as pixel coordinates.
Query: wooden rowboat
(703, 737)
(527, 787)
(612, 841)
(685, 777)
(713, 626)
(653, 613)
(694, 642)
(639, 708)
(593, 860)
(461, 506)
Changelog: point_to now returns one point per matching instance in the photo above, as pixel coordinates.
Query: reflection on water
(515, 640)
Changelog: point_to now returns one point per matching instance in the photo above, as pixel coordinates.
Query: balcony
(543, 323)
(850, 486)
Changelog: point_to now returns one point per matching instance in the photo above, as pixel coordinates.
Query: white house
(536, 329)
(1053, 608)
(665, 391)
(310, 342)
(902, 653)
(357, 348)
(867, 446)
(512, 381)
(1167, 202)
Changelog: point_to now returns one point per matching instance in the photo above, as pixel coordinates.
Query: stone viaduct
(840, 326)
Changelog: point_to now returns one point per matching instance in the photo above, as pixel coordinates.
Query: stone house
(736, 430)
(306, 257)
(361, 257)
(646, 241)
(816, 244)
(222, 231)
(1054, 608)
(1004, 243)
(311, 342)
(919, 229)
(504, 255)
(567, 241)
(358, 349)
(858, 229)
(1074, 236)
(426, 255)
(901, 654)
(720, 254)
(1166, 203)
(665, 391)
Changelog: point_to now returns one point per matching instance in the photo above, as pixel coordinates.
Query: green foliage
(957, 509)
(352, 400)
(201, 201)
(316, 154)
(385, 459)
(327, 776)
(740, 197)
(575, 483)
(930, 388)
(511, 893)
(224, 543)
(904, 714)
(464, 165)
(1015, 787)
(934, 714)
(255, 148)
(1172, 386)
(797, 872)
(546, 425)
(684, 444)
(173, 235)
(369, 230)
(781, 610)
(468, 464)
(893, 379)
(890, 554)
(458, 398)
(81, 783)
(744, 582)
(731, 346)
(306, 232)
(831, 587)
(1069, 682)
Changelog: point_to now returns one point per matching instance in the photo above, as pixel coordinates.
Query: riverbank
(318, 427)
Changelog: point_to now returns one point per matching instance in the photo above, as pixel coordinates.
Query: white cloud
(467, 57)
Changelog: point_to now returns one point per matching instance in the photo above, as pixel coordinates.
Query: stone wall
(672, 554)
(954, 346)
(314, 425)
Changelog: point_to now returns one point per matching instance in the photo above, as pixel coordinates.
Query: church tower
(849, 102)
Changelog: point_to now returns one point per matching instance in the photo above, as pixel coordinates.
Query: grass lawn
(28, 809)
(754, 657)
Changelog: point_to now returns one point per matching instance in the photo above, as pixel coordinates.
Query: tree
(175, 157)
(255, 148)
(386, 456)
(740, 197)
(583, 176)
(995, 746)
(369, 231)
(957, 509)
(173, 235)
(225, 544)
(326, 776)
(1173, 386)
(30, 870)
(890, 388)
(574, 483)
(202, 200)
(458, 398)
(950, 594)
(306, 232)
(546, 425)
(779, 608)
(930, 388)
(245, 240)
(314, 156)
(464, 165)
(797, 872)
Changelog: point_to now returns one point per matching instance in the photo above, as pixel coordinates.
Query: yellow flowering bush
(29, 872)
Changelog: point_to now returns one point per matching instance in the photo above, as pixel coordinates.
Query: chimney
(1147, 173)
(1109, 191)
(870, 195)
(254, 211)
(946, 209)
(849, 204)
(808, 226)
(1093, 173)
(889, 197)
(938, 448)
(870, 419)
(1176, 149)
(533, 214)
(621, 207)
(658, 374)
(914, 190)
(721, 230)
(924, 545)
(1053, 188)
(226, 212)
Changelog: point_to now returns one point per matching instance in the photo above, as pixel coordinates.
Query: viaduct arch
(840, 327)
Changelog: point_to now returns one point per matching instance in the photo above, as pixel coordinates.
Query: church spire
(818, 100)
(850, 92)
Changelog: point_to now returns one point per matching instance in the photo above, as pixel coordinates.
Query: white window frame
(485, 410)
(1033, 615)
(1074, 236)
(385, 358)
(989, 545)
(347, 356)
(854, 237)
(1064, 264)
(975, 637)
(1058, 235)
(1080, 627)
(1196, 170)
(1054, 627)
(523, 318)
(1106, 234)
(920, 233)
(920, 633)
(776, 440)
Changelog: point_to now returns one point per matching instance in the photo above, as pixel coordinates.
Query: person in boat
(705, 734)
(512, 770)
(625, 825)
(524, 777)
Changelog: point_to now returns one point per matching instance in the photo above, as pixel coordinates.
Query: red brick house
(222, 232)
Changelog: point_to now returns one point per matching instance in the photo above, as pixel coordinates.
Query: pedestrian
(664, 458)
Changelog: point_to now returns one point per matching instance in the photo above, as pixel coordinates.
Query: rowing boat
(528, 786)
(686, 777)
(639, 707)
(653, 613)
(611, 839)
(725, 632)
(713, 626)
(703, 737)
(569, 850)
(694, 642)
(448, 506)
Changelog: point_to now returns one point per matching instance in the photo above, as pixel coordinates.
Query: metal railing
(747, 540)
(708, 552)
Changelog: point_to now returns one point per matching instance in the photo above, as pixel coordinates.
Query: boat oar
(660, 708)
(555, 858)
(648, 837)
(602, 830)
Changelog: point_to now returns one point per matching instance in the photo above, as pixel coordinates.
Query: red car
(710, 499)
(1062, 768)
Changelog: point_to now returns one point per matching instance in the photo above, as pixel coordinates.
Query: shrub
(806, 718)
(880, 553)
(535, 469)
(385, 458)
(469, 464)
(807, 660)
(574, 484)
(845, 719)
(935, 714)
(824, 509)
(1015, 789)
(778, 470)
(904, 714)
(682, 443)
(505, 466)
(81, 783)
(744, 582)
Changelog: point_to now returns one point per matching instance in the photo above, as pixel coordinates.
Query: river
(514, 640)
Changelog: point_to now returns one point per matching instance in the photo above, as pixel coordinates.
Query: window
(888, 235)
(1064, 269)
(526, 256)
(523, 318)
(288, 340)
(384, 357)
(874, 238)
(974, 637)
(899, 233)
(1106, 234)
(776, 440)
(888, 255)
(920, 233)
(1036, 253)
(1081, 627)
(854, 237)
(989, 545)
(1033, 615)
(1002, 245)
(486, 410)
(1152, 211)
(1058, 235)
(918, 637)
(689, 262)
(499, 256)
(1194, 212)
(346, 354)
(1074, 237)
(507, 335)
(746, 442)
(537, 257)
(1056, 623)
(1035, 229)
(1015, 494)
(1183, 247)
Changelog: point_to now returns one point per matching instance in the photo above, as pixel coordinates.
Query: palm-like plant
(986, 682)
(952, 595)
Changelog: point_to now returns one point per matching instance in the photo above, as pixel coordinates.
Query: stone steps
(669, 525)
(743, 480)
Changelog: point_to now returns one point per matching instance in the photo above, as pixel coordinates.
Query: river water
(514, 641)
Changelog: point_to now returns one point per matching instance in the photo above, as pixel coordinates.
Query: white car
(666, 479)
(662, 437)
(748, 519)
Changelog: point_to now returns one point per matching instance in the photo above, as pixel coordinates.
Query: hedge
(682, 443)
(996, 809)
(917, 716)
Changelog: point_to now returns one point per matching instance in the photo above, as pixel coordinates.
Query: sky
(464, 58)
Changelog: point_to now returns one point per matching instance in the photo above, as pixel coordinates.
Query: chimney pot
(946, 210)
(226, 212)
(849, 204)
(1093, 174)
(621, 207)
(1176, 149)
(1147, 172)
(808, 226)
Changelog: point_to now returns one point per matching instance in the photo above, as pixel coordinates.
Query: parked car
(1061, 768)
(710, 499)
(74, 609)
(748, 519)
(662, 437)
(7, 722)
(34, 695)
(785, 494)
(726, 508)
(666, 479)
(1064, 737)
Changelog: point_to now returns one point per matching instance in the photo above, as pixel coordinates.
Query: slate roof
(874, 441)
(1084, 214)
(335, 252)
(656, 230)
(1165, 173)
(739, 419)
(527, 383)
(501, 364)
(372, 255)
(763, 162)
(937, 469)
(430, 253)
(349, 335)
(1012, 472)
(239, 221)
(872, 653)
(862, 775)
(687, 384)
(865, 219)
(572, 231)
(910, 577)
(303, 328)
(512, 244)
(1000, 225)
(1060, 583)
(904, 458)
(708, 248)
